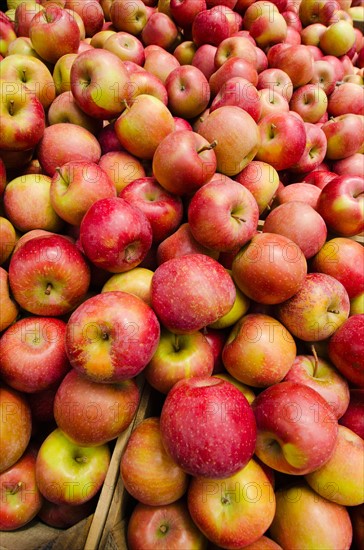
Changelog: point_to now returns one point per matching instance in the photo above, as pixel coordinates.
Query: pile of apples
(142, 146)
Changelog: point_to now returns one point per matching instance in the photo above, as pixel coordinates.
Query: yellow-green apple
(188, 91)
(259, 351)
(324, 76)
(64, 142)
(353, 418)
(22, 117)
(277, 81)
(159, 62)
(27, 203)
(8, 239)
(76, 186)
(208, 427)
(62, 72)
(341, 205)
(48, 275)
(137, 281)
(302, 518)
(240, 307)
(233, 67)
(184, 12)
(346, 98)
(321, 376)
(237, 137)
(143, 125)
(311, 11)
(357, 305)
(297, 62)
(64, 108)
(265, 24)
(235, 511)
(204, 59)
(338, 38)
(67, 473)
(98, 40)
(24, 13)
(282, 139)
(185, 52)
(177, 357)
(20, 496)
(91, 13)
(41, 361)
(7, 33)
(228, 204)
(210, 27)
(112, 336)
(346, 350)
(319, 307)
(300, 223)
(126, 46)
(235, 46)
(343, 259)
(16, 426)
(271, 101)
(143, 82)
(351, 166)
(54, 32)
(180, 243)
(90, 413)
(341, 480)
(149, 474)
(164, 210)
(286, 414)
(239, 92)
(163, 527)
(262, 180)
(121, 167)
(270, 268)
(310, 101)
(181, 283)
(128, 17)
(9, 308)
(99, 83)
(345, 136)
(160, 30)
(115, 235)
(315, 149)
(63, 516)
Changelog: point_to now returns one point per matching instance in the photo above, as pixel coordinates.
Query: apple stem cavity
(211, 145)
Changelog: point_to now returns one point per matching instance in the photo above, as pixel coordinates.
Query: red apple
(121, 167)
(9, 308)
(16, 426)
(204, 59)
(239, 92)
(65, 109)
(188, 91)
(353, 418)
(210, 27)
(350, 166)
(346, 350)
(160, 30)
(315, 149)
(304, 192)
(262, 180)
(180, 243)
(63, 516)
(345, 136)
(277, 81)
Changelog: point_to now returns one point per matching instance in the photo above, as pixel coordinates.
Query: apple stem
(211, 145)
(238, 218)
(58, 170)
(16, 488)
(126, 104)
(48, 289)
(81, 459)
(314, 353)
(11, 107)
(272, 128)
(163, 529)
(176, 342)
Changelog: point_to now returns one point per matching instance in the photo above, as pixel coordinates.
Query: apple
(2, 177)
(228, 205)
(183, 13)
(262, 180)
(351, 166)
(345, 136)
(302, 518)
(178, 357)
(321, 376)
(265, 24)
(312, 11)
(270, 268)
(232, 67)
(121, 328)
(235, 511)
(143, 82)
(204, 59)
(315, 149)
(180, 243)
(65, 142)
(159, 62)
(319, 177)
(137, 281)
(210, 27)
(340, 480)
(309, 101)
(62, 73)
(271, 101)
(98, 39)
(346, 98)
(128, 17)
(8, 239)
(91, 414)
(188, 91)
(317, 310)
(7, 34)
(296, 428)
(235, 46)
(346, 350)
(160, 30)
(121, 167)
(296, 61)
(16, 426)
(239, 92)
(353, 416)
(338, 38)
(184, 281)
(143, 125)
(63, 516)
(64, 108)
(163, 528)
(126, 46)
(48, 275)
(341, 205)
(277, 81)
(54, 32)
(20, 496)
(300, 223)
(91, 13)
(99, 83)
(198, 413)
(108, 140)
(324, 76)
(81, 476)
(9, 308)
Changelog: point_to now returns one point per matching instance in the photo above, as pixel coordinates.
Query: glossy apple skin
(16, 426)
(302, 517)
(296, 61)
(163, 528)
(315, 150)
(346, 350)
(20, 496)
(9, 308)
(322, 377)
(227, 512)
(317, 310)
(304, 192)
(91, 13)
(188, 91)
(262, 180)
(204, 59)
(300, 223)
(123, 330)
(341, 480)
(125, 19)
(259, 351)
(233, 67)
(200, 413)
(137, 281)
(343, 259)
(350, 166)
(277, 81)
(210, 27)
(121, 167)
(115, 235)
(302, 436)
(48, 275)
(240, 92)
(180, 243)
(353, 418)
(65, 109)
(346, 98)
(344, 134)
(270, 268)
(67, 473)
(148, 472)
(41, 361)
(341, 205)
(190, 292)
